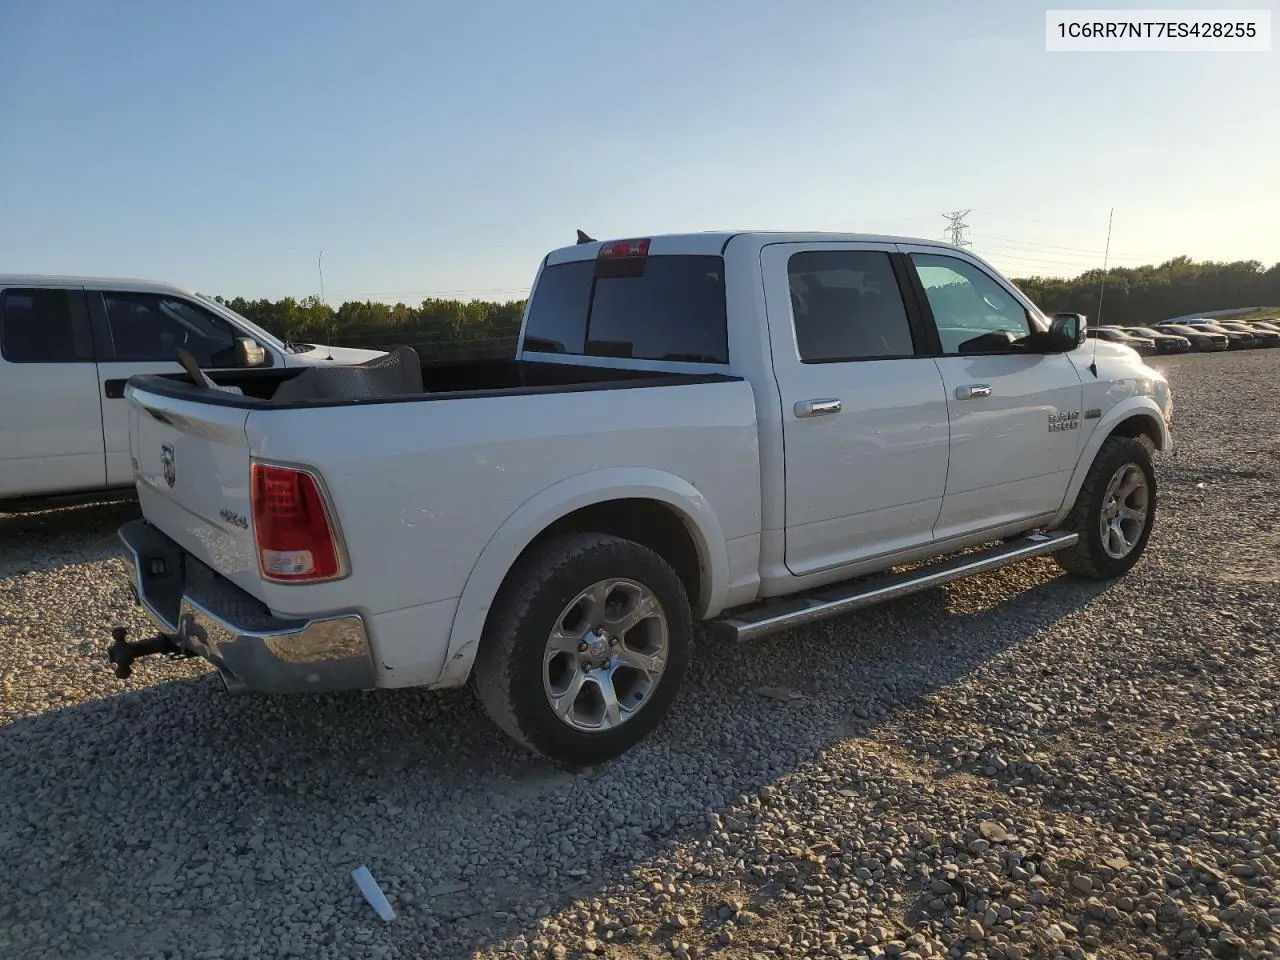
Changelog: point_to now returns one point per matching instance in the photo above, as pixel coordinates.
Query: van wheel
(585, 647)
(1114, 511)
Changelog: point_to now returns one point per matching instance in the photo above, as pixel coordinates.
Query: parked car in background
(1165, 342)
(67, 347)
(1264, 336)
(1204, 341)
(1143, 345)
(751, 429)
(1272, 325)
(1235, 339)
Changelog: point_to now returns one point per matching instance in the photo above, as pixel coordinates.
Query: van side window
(148, 327)
(846, 305)
(40, 326)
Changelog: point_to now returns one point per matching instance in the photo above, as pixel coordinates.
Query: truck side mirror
(249, 353)
(1067, 331)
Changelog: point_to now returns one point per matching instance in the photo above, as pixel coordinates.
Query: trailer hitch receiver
(122, 653)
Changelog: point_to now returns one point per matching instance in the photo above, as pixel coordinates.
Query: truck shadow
(201, 799)
(61, 536)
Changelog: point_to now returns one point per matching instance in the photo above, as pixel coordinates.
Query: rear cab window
(657, 307)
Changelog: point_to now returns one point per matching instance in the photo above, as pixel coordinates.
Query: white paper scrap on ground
(373, 893)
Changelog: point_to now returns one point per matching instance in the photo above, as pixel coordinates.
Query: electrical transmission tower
(954, 233)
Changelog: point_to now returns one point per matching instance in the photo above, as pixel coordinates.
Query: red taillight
(624, 248)
(295, 540)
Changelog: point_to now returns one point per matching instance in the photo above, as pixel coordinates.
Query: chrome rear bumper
(254, 650)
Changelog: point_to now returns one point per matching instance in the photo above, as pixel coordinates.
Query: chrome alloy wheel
(606, 655)
(1124, 511)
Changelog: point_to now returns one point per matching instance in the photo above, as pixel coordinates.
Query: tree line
(438, 329)
(1143, 295)
(443, 329)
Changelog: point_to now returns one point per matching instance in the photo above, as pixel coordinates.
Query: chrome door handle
(817, 408)
(973, 391)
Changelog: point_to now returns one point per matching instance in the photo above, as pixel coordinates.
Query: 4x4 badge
(167, 461)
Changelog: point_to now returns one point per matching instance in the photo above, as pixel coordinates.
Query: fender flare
(1127, 409)
(559, 500)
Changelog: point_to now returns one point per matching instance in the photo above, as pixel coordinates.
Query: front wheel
(1114, 511)
(585, 648)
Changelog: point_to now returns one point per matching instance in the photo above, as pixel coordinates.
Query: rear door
(50, 416)
(863, 409)
(1014, 414)
(140, 333)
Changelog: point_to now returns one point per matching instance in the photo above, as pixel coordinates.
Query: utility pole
(954, 233)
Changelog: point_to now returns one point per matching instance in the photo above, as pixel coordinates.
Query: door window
(973, 313)
(148, 327)
(39, 326)
(846, 305)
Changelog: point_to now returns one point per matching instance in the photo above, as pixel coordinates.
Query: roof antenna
(320, 270)
(583, 238)
(1102, 289)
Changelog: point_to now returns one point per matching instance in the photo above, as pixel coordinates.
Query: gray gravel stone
(950, 772)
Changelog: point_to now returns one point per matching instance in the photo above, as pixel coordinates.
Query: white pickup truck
(747, 429)
(67, 347)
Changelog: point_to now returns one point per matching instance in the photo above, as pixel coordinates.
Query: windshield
(252, 327)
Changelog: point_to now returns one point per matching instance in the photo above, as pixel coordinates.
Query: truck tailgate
(191, 462)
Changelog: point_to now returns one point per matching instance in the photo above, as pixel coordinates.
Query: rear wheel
(1114, 510)
(585, 648)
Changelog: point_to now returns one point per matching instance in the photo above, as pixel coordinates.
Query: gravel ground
(1017, 766)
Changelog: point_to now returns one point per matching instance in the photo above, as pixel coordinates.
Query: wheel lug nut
(582, 648)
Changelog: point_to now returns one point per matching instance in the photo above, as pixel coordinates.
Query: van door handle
(114, 389)
(973, 391)
(817, 408)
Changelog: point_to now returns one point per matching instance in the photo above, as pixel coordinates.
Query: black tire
(1089, 558)
(508, 674)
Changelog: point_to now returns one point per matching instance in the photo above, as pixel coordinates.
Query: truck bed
(484, 378)
(419, 491)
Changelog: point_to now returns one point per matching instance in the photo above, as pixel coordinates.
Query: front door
(1015, 415)
(863, 408)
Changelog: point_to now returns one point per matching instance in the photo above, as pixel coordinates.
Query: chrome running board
(841, 598)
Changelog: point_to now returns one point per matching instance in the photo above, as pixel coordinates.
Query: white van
(67, 347)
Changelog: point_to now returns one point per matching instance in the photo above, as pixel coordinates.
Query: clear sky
(440, 148)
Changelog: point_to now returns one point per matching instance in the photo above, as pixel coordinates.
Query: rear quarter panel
(420, 489)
